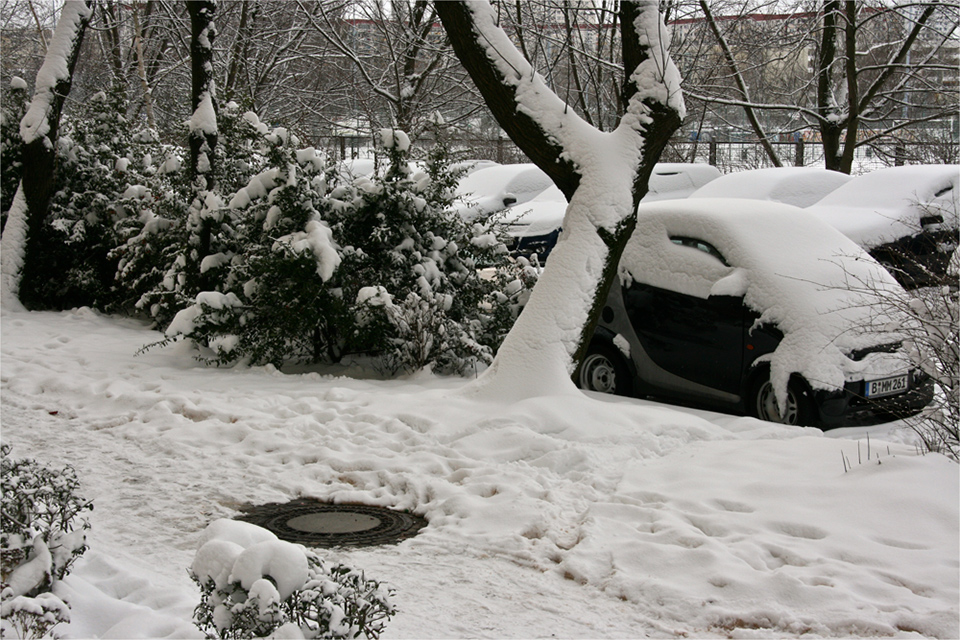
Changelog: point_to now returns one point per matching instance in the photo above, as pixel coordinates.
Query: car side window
(700, 245)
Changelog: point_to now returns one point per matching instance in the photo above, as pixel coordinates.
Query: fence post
(713, 152)
(899, 155)
(798, 156)
(500, 149)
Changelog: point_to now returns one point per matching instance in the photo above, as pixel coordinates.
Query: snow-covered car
(535, 226)
(494, 188)
(905, 217)
(799, 186)
(472, 166)
(747, 306)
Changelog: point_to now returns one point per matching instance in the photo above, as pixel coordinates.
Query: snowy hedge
(277, 263)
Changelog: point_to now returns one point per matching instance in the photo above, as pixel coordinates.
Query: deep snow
(568, 516)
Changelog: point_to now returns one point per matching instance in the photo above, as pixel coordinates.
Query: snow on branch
(54, 71)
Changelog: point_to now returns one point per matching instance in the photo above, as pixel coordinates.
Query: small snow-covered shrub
(43, 533)
(253, 584)
(30, 618)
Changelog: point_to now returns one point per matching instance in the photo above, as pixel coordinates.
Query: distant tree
(403, 70)
(602, 175)
(857, 73)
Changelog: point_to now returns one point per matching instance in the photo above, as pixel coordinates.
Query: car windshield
(700, 245)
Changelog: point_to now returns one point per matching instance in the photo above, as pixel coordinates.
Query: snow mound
(799, 186)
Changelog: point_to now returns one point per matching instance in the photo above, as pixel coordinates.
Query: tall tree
(855, 73)
(403, 71)
(20, 244)
(603, 175)
(203, 129)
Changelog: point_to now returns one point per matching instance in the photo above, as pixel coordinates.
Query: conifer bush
(100, 160)
(315, 270)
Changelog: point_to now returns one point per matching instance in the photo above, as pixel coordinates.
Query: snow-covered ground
(568, 516)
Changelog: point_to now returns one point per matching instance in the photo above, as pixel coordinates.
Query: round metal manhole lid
(313, 523)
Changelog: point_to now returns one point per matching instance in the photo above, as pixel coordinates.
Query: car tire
(800, 409)
(604, 369)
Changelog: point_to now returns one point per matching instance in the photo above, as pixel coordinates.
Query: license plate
(887, 386)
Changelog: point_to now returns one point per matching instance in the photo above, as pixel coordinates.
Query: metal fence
(728, 156)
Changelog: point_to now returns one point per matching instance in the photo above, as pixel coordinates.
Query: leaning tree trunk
(21, 243)
(603, 176)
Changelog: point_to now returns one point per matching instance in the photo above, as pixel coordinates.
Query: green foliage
(280, 262)
(100, 159)
(38, 501)
(42, 532)
(411, 266)
(313, 270)
(335, 602)
(13, 109)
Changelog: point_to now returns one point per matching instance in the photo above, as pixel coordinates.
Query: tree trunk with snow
(38, 129)
(603, 175)
(203, 127)
(841, 101)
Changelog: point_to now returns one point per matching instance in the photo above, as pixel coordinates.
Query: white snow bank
(573, 515)
(799, 186)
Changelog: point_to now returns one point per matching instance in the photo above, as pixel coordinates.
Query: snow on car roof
(671, 180)
(800, 274)
(887, 204)
(544, 213)
(799, 186)
(483, 191)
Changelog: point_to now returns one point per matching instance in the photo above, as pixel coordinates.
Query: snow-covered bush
(100, 159)
(253, 585)
(411, 267)
(313, 270)
(43, 533)
(160, 270)
(936, 337)
(270, 300)
(11, 112)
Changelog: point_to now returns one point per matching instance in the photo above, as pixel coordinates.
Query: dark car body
(713, 350)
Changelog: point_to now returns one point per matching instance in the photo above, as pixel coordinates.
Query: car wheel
(605, 370)
(798, 412)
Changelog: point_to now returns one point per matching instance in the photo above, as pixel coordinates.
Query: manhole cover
(314, 523)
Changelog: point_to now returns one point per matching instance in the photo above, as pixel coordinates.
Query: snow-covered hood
(819, 288)
(888, 204)
(799, 186)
